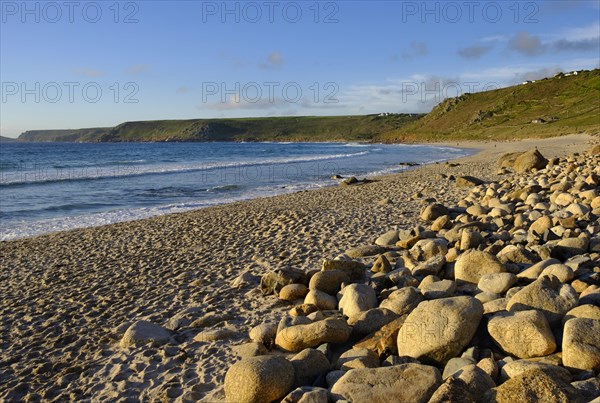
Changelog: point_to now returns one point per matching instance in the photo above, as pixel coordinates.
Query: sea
(48, 187)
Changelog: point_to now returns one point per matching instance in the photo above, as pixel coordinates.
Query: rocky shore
(476, 280)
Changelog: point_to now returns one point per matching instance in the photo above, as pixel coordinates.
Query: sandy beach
(67, 298)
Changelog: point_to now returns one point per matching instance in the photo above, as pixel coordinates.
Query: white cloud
(274, 60)
(89, 72)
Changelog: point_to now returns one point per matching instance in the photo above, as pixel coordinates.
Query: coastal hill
(7, 139)
(306, 128)
(565, 103)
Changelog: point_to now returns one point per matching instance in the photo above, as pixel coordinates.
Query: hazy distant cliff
(303, 128)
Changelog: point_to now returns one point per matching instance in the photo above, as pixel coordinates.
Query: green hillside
(305, 128)
(549, 107)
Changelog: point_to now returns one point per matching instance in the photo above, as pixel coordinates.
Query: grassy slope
(306, 128)
(568, 104)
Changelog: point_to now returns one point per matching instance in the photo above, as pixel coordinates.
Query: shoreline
(94, 219)
(479, 151)
(69, 296)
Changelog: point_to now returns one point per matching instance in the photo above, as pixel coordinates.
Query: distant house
(528, 82)
(572, 73)
(538, 120)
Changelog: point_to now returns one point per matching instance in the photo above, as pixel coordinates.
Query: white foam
(85, 173)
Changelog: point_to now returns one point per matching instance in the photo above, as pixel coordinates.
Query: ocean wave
(23, 229)
(95, 173)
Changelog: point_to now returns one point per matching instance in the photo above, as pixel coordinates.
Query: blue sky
(87, 64)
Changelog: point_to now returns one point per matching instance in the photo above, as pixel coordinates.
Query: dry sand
(68, 297)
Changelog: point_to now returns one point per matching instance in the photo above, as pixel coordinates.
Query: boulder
(522, 334)
(307, 394)
(259, 379)
(263, 333)
(309, 364)
(381, 265)
(517, 254)
(292, 292)
(497, 283)
(468, 181)
(364, 251)
(400, 383)
(384, 341)
(389, 238)
(426, 249)
(588, 389)
(454, 364)
(546, 294)
(370, 321)
(438, 330)
(581, 344)
(533, 272)
(473, 264)
(297, 338)
(439, 289)
(517, 368)
(583, 311)
(250, 350)
(328, 281)
(541, 225)
(402, 301)
(433, 211)
(355, 270)
(476, 379)
(452, 390)
(357, 298)
(568, 247)
(144, 332)
(530, 160)
(357, 358)
(533, 386)
(562, 272)
(321, 300)
(275, 280)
